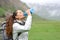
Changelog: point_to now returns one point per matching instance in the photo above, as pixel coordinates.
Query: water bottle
(31, 11)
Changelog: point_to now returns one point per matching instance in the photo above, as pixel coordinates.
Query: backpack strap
(23, 23)
(3, 23)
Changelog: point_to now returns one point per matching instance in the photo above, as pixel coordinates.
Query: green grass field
(44, 30)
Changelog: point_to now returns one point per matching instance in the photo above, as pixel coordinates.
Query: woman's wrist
(29, 14)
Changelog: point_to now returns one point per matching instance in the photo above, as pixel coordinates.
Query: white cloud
(41, 1)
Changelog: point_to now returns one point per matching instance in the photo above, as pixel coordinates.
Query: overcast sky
(41, 1)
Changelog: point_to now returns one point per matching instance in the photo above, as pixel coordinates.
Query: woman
(12, 29)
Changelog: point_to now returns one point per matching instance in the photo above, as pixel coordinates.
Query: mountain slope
(11, 5)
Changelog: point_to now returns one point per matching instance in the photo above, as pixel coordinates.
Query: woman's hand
(28, 12)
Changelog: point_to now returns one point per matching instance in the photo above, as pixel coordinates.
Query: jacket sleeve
(26, 27)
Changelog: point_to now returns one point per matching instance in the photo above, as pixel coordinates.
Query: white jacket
(20, 28)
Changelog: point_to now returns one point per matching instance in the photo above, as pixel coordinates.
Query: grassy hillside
(2, 11)
(44, 30)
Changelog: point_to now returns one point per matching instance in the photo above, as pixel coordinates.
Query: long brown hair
(9, 23)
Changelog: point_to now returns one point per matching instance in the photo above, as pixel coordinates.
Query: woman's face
(20, 14)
